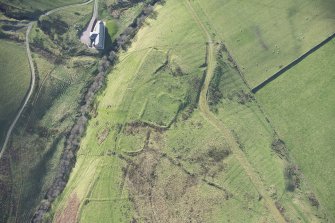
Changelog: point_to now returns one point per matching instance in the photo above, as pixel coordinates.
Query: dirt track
(215, 122)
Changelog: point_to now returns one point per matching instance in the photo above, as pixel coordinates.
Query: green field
(264, 36)
(40, 5)
(38, 140)
(150, 153)
(300, 104)
(241, 113)
(176, 135)
(112, 28)
(65, 68)
(14, 81)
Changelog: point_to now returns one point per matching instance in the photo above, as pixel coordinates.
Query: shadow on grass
(36, 178)
(108, 42)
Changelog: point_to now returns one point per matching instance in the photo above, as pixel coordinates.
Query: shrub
(292, 176)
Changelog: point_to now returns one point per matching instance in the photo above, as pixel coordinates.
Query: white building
(97, 35)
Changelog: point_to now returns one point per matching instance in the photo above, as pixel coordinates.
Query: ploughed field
(153, 152)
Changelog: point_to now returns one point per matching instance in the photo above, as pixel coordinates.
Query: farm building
(97, 35)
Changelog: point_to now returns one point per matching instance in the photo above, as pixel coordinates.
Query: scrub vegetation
(37, 142)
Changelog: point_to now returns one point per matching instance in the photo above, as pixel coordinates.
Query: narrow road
(30, 92)
(32, 72)
(215, 122)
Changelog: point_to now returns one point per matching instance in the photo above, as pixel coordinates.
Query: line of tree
(68, 157)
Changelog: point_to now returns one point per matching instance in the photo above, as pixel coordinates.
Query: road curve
(30, 92)
(33, 74)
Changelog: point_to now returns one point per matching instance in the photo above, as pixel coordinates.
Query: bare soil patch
(69, 213)
(103, 136)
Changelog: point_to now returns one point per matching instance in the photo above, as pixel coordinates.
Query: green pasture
(263, 36)
(148, 153)
(14, 81)
(41, 133)
(190, 142)
(112, 28)
(240, 112)
(40, 5)
(152, 83)
(39, 141)
(300, 105)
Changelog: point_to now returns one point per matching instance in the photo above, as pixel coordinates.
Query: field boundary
(292, 64)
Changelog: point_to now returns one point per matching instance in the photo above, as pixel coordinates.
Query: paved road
(33, 73)
(30, 92)
(215, 122)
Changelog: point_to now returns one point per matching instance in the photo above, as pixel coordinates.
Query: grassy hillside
(31, 9)
(300, 104)
(38, 140)
(149, 155)
(176, 134)
(14, 81)
(65, 69)
(266, 35)
(236, 107)
(39, 4)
